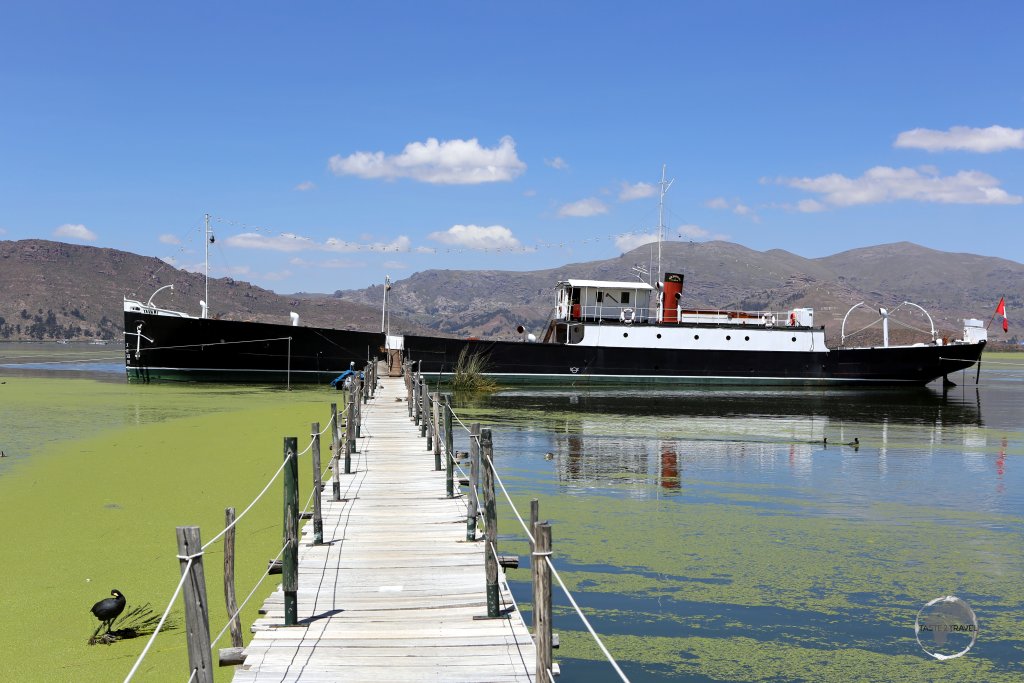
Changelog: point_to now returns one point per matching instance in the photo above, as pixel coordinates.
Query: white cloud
(584, 207)
(169, 239)
(717, 203)
(286, 242)
(885, 184)
(809, 206)
(694, 233)
(735, 206)
(400, 243)
(306, 186)
(452, 162)
(477, 237)
(75, 231)
(395, 265)
(983, 140)
(277, 276)
(636, 191)
(558, 163)
(631, 241)
(2, 231)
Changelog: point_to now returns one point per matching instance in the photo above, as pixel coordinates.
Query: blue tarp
(339, 381)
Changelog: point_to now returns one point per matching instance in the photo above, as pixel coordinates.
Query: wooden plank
(392, 593)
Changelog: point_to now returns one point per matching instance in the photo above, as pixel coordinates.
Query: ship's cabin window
(600, 296)
(576, 333)
(624, 298)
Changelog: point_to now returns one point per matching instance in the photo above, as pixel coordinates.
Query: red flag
(1001, 310)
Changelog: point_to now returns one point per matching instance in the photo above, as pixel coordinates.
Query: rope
(586, 623)
(193, 676)
(221, 343)
(990, 362)
(247, 598)
(255, 500)
(152, 638)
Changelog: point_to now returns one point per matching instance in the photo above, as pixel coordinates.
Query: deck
(395, 593)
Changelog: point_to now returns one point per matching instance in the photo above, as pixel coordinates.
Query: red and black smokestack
(673, 293)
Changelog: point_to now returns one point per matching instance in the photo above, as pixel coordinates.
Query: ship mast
(661, 217)
(385, 319)
(208, 239)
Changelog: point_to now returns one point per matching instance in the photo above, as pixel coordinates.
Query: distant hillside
(726, 275)
(53, 290)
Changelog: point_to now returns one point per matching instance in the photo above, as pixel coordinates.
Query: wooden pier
(395, 592)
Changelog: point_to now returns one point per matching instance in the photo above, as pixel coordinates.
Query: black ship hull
(168, 348)
(207, 350)
(518, 362)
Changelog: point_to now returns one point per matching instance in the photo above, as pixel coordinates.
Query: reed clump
(469, 373)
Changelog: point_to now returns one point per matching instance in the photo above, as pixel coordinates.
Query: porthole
(746, 339)
(696, 336)
(659, 335)
(794, 338)
(626, 334)
(728, 337)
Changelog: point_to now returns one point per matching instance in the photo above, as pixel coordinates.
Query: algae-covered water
(716, 536)
(98, 475)
(710, 535)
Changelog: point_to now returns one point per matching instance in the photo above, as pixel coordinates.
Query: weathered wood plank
(392, 593)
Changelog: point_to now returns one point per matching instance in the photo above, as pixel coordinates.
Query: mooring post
(350, 420)
(416, 399)
(491, 515)
(431, 423)
(424, 408)
(359, 406)
(363, 379)
(230, 600)
(318, 520)
(335, 443)
(449, 455)
(534, 518)
(407, 370)
(290, 569)
(473, 507)
(197, 620)
(542, 599)
(437, 430)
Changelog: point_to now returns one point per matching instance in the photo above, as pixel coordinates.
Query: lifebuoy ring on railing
(628, 315)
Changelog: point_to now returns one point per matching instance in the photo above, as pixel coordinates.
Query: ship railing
(617, 313)
(716, 316)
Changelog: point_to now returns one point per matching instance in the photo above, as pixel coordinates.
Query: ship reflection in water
(652, 443)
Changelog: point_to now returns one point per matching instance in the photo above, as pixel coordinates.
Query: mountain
(950, 286)
(53, 290)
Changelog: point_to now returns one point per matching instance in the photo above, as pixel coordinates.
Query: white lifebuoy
(628, 315)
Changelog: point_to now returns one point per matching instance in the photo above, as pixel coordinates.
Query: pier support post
(230, 601)
(534, 518)
(542, 599)
(318, 520)
(491, 516)
(449, 455)
(416, 399)
(424, 408)
(290, 570)
(407, 372)
(350, 419)
(473, 506)
(358, 407)
(197, 620)
(335, 443)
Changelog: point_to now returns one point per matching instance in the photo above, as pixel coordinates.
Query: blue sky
(336, 142)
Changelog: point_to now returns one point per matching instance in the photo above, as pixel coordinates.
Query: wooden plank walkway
(393, 592)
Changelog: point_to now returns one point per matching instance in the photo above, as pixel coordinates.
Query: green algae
(112, 470)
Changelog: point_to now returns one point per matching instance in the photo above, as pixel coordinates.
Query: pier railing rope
(291, 458)
(420, 411)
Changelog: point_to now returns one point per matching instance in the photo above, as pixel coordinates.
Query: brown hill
(53, 290)
(726, 275)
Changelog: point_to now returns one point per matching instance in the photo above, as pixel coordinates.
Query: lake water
(715, 535)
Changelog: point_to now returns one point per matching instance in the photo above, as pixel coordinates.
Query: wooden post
(358, 407)
(350, 419)
(197, 620)
(431, 425)
(335, 443)
(290, 573)
(437, 430)
(534, 518)
(318, 520)
(363, 383)
(230, 601)
(407, 369)
(424, 408)
(491, 516)
(449, 455)
(542, 599)
(416, 400)
(473, 506)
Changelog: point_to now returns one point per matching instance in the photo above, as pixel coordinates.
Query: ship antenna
(661, 215)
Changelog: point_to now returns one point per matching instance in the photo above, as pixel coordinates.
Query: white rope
(193, 676)
(508, 497)
(254, 501)
(222, 343)
(247, 598)
(586, 622)
(990, 362)
(152, 638)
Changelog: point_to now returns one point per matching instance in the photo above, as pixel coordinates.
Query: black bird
(109, 609)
